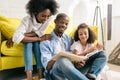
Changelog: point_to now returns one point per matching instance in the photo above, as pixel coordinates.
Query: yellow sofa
(10, 57)
(13, 57)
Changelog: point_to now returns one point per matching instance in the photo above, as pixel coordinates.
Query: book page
(70, 56)
(92, 53)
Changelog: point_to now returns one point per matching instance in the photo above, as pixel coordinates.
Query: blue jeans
(63, 69)
(29, 48)
(95, 63)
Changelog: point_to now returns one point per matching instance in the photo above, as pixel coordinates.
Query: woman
(31, 32)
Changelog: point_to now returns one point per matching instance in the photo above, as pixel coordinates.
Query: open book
(70, 56)
(92, 53)
(74, 57)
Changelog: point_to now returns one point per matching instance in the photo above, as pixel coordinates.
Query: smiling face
(43, 16)
(83, 35)
(61, 25)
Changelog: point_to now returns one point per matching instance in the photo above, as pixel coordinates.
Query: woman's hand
(9, 43)
(46, 37)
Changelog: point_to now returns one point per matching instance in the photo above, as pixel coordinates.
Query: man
(62, 68)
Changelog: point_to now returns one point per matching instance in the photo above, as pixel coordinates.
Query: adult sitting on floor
(62, 68)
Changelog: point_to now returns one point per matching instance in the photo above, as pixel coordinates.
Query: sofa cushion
(95, 29)
(8, 26)
(0, 41)
(50, 27)
(16, 50)
(8, 62)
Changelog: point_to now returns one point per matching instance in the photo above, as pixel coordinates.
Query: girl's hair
(35, 6)
(92, 36)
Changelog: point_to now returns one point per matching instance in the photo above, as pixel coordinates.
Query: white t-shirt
(77, 45)
(27, 25)
(59, 46)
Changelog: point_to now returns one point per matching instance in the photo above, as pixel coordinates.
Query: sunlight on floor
(111, 73)
(114, 67)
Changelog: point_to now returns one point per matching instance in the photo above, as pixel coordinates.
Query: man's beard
(59, 32)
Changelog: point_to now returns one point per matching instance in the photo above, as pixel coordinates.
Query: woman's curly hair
(92, 36)
(35, 6)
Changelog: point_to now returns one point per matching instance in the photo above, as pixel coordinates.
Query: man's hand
(9, 43)
(80, 63)
(50, 65)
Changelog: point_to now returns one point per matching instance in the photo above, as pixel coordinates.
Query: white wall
(115, 39)
(13, 8)
(80, 10)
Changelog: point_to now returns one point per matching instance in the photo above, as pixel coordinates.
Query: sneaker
(91, 76)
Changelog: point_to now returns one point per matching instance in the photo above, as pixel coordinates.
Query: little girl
(84, 44)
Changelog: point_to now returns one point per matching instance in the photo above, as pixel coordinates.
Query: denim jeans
(95, 63)
(63, 69)
(29, 48)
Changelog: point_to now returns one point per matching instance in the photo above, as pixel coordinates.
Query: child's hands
(9, 43)
(99, 46)
(91, 49)
(85, 52)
